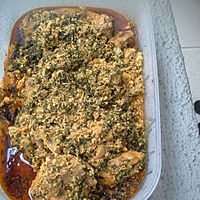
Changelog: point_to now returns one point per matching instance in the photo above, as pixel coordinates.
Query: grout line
(192, 47)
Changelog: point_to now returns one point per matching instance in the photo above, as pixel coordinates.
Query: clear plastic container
(137, 10)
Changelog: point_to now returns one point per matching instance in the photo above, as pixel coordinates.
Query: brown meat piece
(103, 23)
(121, 167)
(63, 177)
(123, 38)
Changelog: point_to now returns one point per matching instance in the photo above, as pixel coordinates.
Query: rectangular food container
(138, 11)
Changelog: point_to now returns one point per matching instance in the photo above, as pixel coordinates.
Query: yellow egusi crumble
(81, 121)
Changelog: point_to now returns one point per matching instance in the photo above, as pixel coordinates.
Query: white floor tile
(187, 19)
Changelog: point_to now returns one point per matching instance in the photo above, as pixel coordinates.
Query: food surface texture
(74, 90)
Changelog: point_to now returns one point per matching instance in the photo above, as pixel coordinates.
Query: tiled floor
(187, 19)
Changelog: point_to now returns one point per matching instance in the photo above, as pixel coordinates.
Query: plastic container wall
(139, 12)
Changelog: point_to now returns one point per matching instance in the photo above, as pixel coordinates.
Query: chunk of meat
(100, 153)
(101, 150)
(103, 23)
(126, 37)
(63, 177)
(132, 156)
(38, 179)
(121, 167)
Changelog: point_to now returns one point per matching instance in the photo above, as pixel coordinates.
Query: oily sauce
(16, 175)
